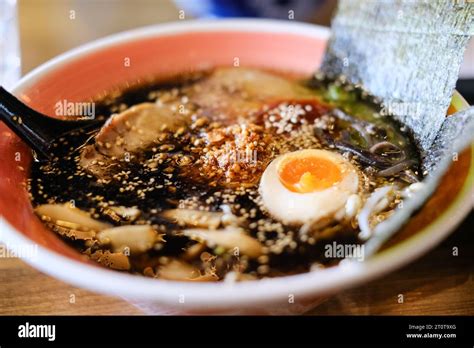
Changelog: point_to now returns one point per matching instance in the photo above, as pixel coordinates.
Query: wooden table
(438, 283)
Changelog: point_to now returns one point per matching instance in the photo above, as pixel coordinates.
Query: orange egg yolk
(308, 174)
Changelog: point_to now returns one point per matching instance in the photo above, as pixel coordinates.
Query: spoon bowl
(36, 129)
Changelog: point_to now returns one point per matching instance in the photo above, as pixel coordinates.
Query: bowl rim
(222, 294)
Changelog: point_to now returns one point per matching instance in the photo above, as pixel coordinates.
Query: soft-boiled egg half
(309, 186)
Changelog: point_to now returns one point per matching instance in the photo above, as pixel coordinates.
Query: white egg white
(299, 208)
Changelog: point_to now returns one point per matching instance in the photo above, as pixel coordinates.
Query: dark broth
(168, 184)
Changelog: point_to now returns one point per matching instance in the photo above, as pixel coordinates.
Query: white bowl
(284, 295)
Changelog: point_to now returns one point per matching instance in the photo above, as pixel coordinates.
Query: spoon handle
(31, 126)
(37, 130)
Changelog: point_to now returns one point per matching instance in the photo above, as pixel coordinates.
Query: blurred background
(50, 27)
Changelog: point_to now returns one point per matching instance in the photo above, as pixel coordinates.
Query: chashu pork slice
(126, 133)
(229, 93)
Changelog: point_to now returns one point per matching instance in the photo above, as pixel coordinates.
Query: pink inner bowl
(91, 73)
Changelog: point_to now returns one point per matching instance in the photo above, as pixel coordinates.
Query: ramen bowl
(134, 57)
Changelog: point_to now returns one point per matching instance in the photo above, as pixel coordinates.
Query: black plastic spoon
(36, 129)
